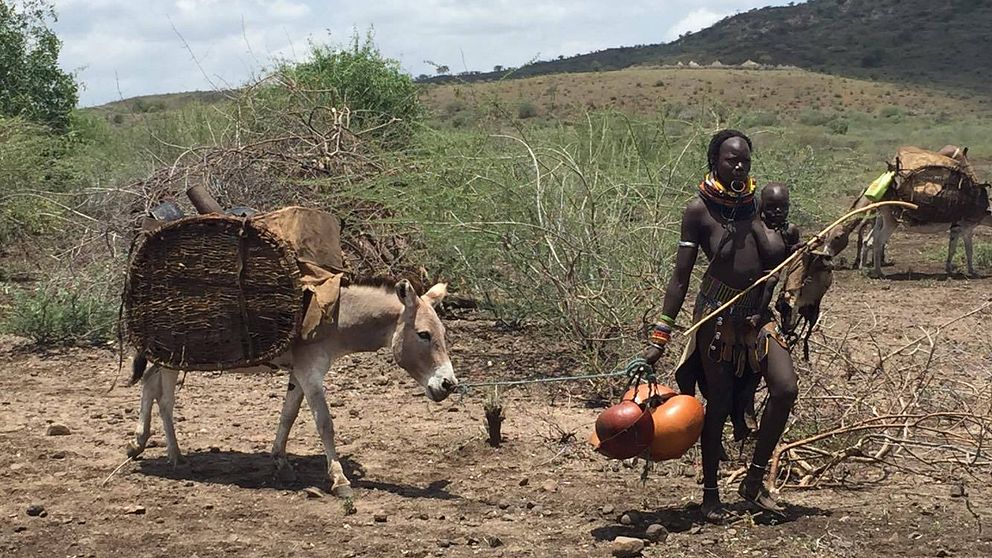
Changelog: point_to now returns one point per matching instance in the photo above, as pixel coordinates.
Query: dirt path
(428, 485)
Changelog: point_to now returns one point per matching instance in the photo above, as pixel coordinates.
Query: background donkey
(960, 220)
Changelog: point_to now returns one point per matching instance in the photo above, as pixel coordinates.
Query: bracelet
(657, 346)
(667, 319)
(661, 334)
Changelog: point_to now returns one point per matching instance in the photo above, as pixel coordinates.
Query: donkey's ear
(435, 294)
(405, 292)
(964, 152)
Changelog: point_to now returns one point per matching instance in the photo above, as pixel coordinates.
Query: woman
(731, 351)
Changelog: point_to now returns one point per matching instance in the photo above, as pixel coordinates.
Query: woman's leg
(719, 384)
(780, 377)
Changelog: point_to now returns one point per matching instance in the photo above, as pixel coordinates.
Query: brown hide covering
(945, 188)
(315, 238)
(214, 292)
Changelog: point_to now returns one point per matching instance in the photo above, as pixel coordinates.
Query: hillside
(943, 44)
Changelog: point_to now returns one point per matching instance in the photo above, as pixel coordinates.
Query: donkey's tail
(138, 366)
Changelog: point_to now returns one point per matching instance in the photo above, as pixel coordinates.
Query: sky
(125, 48)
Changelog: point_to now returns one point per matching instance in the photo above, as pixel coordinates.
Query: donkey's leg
(166, 404)
(309, 366)
(290, 410)
(969, 248)
(952, 247)
(151, 389)
(885, 224)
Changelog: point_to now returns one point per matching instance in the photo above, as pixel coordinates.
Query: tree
(442, 70)
(34, 87)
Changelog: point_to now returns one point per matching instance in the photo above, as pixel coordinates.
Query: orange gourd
(623, 431)
(678, 422)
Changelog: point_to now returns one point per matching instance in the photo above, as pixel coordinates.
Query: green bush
(60, 315)
(837, 126)
(526, 109)
(373, 88)
(27, 165)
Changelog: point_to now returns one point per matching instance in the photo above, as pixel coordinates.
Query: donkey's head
(798, 305)
(418, 342)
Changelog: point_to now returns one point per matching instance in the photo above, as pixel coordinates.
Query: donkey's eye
(425, 335)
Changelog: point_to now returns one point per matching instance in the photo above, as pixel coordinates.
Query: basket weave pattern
(212, 293)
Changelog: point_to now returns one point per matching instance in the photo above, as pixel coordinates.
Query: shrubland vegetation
(547, 209)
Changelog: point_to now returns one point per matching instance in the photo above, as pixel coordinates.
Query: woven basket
(944, 195)
(212, 292)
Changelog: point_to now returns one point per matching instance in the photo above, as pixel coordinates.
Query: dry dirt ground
(427, 482)
(646, 90)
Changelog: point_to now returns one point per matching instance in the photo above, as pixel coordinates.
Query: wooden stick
(799, 252)
(935, 331)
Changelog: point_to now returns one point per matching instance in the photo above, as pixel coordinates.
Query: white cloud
(145, 46)
(692, 22)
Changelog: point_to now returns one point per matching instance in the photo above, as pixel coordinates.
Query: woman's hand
(652, 353)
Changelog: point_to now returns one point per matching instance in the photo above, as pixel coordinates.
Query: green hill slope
(945, 44)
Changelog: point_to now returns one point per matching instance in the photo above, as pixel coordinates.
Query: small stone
(58, 455)
(957, 491)
(208, 507)
(732, 532)
(626, 547)
(530, 505)
(626, 519)
(707, 542)
(34, 510)
(214, 449)
(353, 413)
(503, 504)
(444, 543)
(656, 533)
(507, 517)
(423, 517)
(20, 528)
(380, 517)
(493, 541)
(57, 430)
(313, 492)
(135, 510)
(943, 553)
(608, 509)
(696, 529)
(524, 481)
(550, 485)
(472, 541)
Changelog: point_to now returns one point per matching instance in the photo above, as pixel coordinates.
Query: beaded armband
(661, 334)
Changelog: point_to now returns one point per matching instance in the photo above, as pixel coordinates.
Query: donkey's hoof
(177, 461)
(133, 449)
(284, 473)
(343, 491)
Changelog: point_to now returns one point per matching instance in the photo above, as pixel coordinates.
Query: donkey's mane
(383, 282)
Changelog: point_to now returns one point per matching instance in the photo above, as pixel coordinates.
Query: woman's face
(734, 164)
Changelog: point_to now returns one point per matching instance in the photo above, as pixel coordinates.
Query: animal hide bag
(945, 189)
(214, 292)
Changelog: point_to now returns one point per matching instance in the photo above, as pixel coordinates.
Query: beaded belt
(713, 293)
